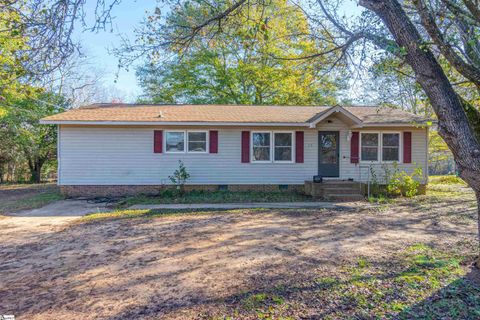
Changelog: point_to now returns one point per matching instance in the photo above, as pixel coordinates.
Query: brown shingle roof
(222, 113)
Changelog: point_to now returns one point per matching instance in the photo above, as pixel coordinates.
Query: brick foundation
(96, 191)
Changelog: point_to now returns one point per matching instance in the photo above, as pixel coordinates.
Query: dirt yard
(248, 264)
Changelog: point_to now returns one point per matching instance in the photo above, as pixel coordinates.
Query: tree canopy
(23, 138)
(245, 64)
(13, 44)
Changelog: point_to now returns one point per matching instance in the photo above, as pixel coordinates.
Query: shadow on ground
(197, 266)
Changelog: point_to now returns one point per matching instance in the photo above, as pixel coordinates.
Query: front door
(328, 154)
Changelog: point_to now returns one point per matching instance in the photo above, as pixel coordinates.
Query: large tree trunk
(453, 122)
(478, 216)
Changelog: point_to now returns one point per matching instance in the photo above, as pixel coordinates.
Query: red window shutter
(157, 141)
(407, 147)
(245, 146)
(299, 146)
(213, 141)
(354, 147)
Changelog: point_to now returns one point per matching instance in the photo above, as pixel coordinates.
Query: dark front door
(328, 154)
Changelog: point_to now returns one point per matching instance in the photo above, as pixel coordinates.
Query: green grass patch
(265, 306)
(260, 300)
(146, 213)
(446, 180)
(380, 199)
(403, 290)
(29, 201)
(420, 283)
(172, 196)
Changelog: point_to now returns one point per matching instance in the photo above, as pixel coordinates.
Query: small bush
(180, 176)
(402, 184)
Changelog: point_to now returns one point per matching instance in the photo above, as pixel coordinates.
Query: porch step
(329, 190)
(335, 190)
(339, 184)
(344, 197)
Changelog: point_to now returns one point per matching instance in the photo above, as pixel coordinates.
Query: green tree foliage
(13, 44)
(440, 157)
(248, 63)
(23, 137)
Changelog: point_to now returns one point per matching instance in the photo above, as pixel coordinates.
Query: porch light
(349, 135)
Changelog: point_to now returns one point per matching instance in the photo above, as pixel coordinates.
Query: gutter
(174, 123)
(216, 123)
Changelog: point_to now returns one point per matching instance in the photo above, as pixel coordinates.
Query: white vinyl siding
(95, 155)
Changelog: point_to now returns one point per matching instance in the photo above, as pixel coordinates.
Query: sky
(95, 45)
(126, 16)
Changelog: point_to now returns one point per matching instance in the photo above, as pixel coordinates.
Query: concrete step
(344, 197)
(328, 191)
(340, 183)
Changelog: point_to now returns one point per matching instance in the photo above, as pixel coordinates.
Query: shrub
(396, 183)
(180, 176)
(402, 184)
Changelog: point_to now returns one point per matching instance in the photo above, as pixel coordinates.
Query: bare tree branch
(469, 71)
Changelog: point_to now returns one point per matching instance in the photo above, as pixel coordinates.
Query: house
(113, 149)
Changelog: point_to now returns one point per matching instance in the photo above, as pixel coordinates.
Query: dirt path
(182, 266)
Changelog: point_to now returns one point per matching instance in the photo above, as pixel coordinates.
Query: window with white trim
(175, 141)
(261, 148)
(197, 141)
(391, 147)
(283, 146)
(369, 147)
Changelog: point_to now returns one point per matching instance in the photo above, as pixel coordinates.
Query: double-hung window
(283, 146)
(261, 148)
(272, 146)
(376, 147)
(390, 147)
(186, 141)
(175, 141)
(197, 141)
(369, 147)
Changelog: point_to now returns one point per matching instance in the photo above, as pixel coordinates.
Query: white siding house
(123, 154)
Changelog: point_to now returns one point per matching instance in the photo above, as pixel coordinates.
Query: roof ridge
(131, 105)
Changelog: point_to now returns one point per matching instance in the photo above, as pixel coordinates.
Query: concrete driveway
(64, 208)
(28, 224)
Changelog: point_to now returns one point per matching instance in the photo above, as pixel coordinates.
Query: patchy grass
(421, 283)
(409, 260)
(14, 198)
(447, 186)
(380, 199)
(449, 191)
(131, 214)
(446, 179)
(171, 196)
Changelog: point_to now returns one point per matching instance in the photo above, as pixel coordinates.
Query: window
(283, 147)
(197, 141)
(261, 146)
(369, 147)
(382, 146)
(175, 141)
(390, 147)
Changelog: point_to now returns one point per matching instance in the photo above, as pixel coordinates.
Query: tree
(47, 28)
(459, 122)
(13, 44)
(241, 64)
(35, 142)
(412, 32)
